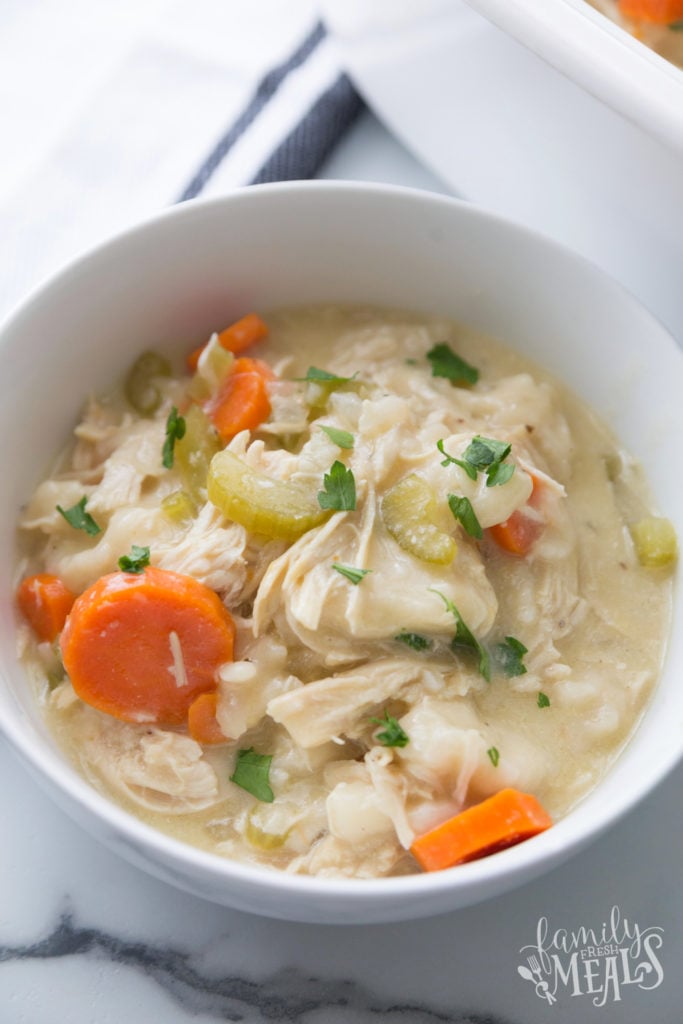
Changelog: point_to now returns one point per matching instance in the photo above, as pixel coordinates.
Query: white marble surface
(85, 938)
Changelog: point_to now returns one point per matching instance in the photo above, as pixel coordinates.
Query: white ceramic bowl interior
(167, 285)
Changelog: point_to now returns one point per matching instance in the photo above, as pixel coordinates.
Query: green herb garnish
(508, 656)
(414, 640)
(446, 363)
(465, 638)
(340, 489)
(676, 26)
(392, 735)
(352, 574)
(251, 773)
(543, 700)
(175, 431)
(465, 514)
(317, 376)
(451, 460)
(342, 438)
(77, 517)
(136, 561)
(483, 454)
(494, 756)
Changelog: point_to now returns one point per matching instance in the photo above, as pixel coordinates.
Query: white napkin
(113, 109)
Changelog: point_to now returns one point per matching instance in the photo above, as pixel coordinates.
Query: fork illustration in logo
(534, 974)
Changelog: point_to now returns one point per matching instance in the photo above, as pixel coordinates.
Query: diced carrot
(520, 531)
(142, 647)
(241, 404)
(658, 12)
(236, 338)
(202, 722)
(504, 819)
(45, 601)
(247, 364)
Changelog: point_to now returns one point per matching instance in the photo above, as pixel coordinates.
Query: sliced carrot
(247, 364)
(519, 532)
(236, 338)
(45, 601)
(507, 818)
(659, 12)
(202, 723)
(241, 404)
(142, 647)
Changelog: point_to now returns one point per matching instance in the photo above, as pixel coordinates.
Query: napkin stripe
(305, 149)
(265, 90)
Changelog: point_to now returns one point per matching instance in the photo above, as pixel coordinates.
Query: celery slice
(194, 451)
(179, 507)
(275, 508)
(141, 386)
(408, 512)
(655, 542)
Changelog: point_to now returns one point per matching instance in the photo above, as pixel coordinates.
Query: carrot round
(241, 404)
(142, 647)
(658, 12)
(45, 601)
(519, 532)
(235, 338)
(202, 723)
(507, 818)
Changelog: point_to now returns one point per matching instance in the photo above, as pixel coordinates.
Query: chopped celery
(179, 507)
(275, 508)
(214, 365)
(408, 511)
(655, 541)
(263, 840)
(141, 386)
(194, 451)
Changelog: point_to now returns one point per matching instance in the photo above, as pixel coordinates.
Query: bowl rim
(497, 873)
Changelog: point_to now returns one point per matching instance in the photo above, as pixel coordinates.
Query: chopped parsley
(392, 735)
(340, 489)
(317, 376)
(446, 363)
(77, 517)
(415, 641)
(543, 700)
(252, 772)
(342, 438)
(508, 656)
(483, 454)
(465, 638)
(136, 561)
(494, 756)
(175, 431)
(352, 574)
(465, 514)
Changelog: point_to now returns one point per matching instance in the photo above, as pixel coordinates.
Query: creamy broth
(323, 661)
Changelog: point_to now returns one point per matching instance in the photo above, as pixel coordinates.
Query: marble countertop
(88, 939)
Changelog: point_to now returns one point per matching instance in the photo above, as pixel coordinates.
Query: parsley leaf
(354, 575)
(465, 638)
(77, 517)
(446, 363)
(465, 514)
(485, 451)
(494, 756)
(543, 700)
(136, 561)
(340, 489)
(449, 459)
(508, 656)
(314, 375)
(414, 640)
(341, 438)
(392, 735)
(251, 773)
(175, 431)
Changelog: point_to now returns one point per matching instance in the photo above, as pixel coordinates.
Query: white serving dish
(178, 275)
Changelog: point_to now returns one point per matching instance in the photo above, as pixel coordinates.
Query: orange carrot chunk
(247, 364)
(520, 531)
(45, 601)
(504, 819)
(242, 403)
(658, 12)
(235, 338)
(202, 723)
(142, 647)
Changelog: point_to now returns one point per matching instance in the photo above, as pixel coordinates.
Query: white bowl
(196, 265)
